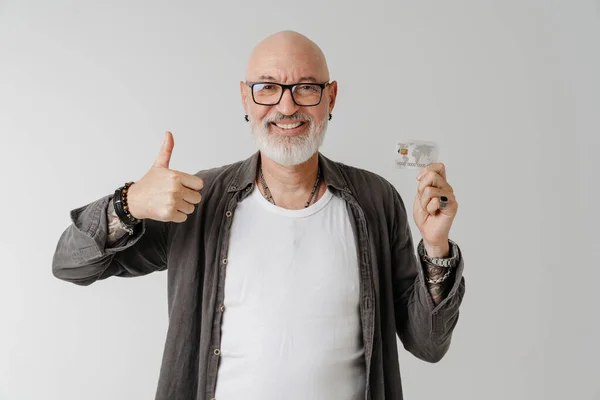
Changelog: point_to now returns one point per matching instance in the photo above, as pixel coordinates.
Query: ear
(244, 95)
(332, 95)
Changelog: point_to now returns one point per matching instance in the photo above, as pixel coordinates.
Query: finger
(433, 206)
(164, 156)
(191, 196)
(433, 179)
(430, 193)
(185, 207)
(179, 217)
(440, 168)
(191, 181)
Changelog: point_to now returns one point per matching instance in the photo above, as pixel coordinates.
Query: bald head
(288, 129)
(287, 57)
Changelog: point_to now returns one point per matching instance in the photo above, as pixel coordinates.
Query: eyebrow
(272, 78)
(266, 77)
(307, 79)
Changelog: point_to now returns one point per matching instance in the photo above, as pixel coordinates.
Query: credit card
(415, 154)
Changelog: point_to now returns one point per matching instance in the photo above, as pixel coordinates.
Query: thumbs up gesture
(164, 194)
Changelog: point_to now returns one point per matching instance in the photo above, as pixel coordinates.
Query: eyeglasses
(303, 94)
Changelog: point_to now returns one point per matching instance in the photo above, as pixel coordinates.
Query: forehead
(288, 66)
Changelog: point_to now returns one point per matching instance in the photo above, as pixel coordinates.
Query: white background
(509, 90)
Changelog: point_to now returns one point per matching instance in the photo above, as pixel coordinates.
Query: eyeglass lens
(270, 94)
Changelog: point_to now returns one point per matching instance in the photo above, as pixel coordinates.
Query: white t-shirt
(291, 325)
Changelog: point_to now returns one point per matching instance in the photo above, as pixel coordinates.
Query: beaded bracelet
(122, 208)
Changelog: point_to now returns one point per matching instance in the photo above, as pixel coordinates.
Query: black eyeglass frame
(291, 87)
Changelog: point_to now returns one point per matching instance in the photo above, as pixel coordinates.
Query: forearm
(438, 290)
(437, 277)
(115, 231)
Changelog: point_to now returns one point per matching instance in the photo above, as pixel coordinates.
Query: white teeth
(289, 126)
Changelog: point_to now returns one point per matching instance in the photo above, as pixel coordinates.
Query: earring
(330, 116)
(246, 118)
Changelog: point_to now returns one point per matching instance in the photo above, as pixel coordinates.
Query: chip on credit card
(415, 154)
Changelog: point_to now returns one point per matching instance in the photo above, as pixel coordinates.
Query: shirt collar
(245, 175)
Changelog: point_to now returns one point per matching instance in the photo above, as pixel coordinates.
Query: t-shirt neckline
(303, 212)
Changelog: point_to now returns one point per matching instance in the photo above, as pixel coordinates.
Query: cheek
(318, 113)
(259, 112)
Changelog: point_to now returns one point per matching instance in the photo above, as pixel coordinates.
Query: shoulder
(230, 176)
(362, 180)
(218, 177)
(376, 195)
(383, 207)
(215, 172)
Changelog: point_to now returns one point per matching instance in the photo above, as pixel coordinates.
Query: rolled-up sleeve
(424, 328)
(82, 257)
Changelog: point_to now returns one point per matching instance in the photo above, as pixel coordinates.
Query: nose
(286, 105)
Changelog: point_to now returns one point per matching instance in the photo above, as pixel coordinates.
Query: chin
(286, 155)
(289, 150)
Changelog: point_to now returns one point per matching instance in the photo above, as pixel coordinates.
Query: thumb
(164, 157)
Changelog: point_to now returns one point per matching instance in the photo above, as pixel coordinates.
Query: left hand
(434, 222)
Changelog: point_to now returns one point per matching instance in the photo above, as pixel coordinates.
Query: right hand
(164, 194)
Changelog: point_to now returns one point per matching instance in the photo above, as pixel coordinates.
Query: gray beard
(289, 150)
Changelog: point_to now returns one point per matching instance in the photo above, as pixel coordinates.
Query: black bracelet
(121, 207)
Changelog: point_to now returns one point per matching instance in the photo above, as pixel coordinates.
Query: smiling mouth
(288, 126)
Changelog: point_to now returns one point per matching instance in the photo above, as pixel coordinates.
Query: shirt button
(228, 214)
(224, 261)
(217, 352)
(222, 308)
(233, 187)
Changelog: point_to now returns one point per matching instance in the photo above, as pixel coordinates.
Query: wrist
(439, 251)
(133, 205)
(121, 206)
(451, 259)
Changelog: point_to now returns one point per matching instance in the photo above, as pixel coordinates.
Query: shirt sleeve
(424, 328)
(83, 256)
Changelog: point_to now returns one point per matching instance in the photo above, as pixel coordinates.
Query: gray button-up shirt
(394, 299)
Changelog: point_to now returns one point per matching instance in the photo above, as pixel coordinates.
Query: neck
(291, 185)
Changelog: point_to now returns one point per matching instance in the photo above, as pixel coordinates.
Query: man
(294, 273)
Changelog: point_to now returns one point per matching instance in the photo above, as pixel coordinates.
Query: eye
(265, 87)
(307, 89)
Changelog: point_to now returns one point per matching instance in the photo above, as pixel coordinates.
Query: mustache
(297, 116)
